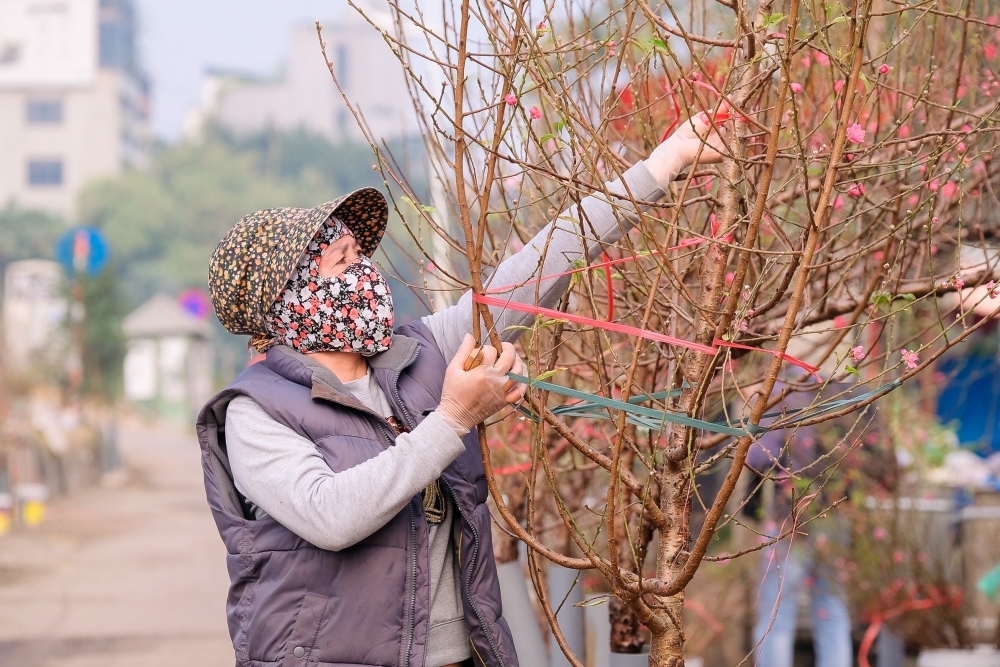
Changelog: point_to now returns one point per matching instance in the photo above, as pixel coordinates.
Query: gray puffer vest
(293, 604)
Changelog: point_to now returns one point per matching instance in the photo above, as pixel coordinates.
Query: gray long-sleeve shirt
(284, 475)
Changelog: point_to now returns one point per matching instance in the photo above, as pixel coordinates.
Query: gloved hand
(470, 397)
(678, 152)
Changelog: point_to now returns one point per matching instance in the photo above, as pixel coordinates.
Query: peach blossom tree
(858, 191)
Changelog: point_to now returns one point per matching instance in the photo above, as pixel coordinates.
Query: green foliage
(103, 340)
(27, 234)
(163, 223)
(31, 234)
(881, 298)
(773, 19)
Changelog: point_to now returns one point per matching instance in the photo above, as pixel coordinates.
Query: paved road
(132, 576)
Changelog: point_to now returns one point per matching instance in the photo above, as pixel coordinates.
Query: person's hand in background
(679, 150)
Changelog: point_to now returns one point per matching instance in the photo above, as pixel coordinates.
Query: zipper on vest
(395, 392)
(413, 585)
(413, 521)
(385, 433)
(465, 518)
(468, 579)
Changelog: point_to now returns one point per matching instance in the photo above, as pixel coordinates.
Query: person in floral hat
(343, 471)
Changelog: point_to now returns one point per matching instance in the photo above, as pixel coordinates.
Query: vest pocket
(241, 640)
(303, 638)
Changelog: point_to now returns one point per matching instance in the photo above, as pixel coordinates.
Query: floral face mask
(350, 312)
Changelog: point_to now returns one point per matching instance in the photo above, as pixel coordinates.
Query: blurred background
(133, 135)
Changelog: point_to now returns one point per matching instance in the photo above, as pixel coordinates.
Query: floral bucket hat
(253, 262)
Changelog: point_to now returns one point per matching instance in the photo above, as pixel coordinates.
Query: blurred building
(73, 99)
(305, 97)
(168, 365)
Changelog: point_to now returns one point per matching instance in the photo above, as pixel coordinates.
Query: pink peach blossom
(911, 359)
(510, 99)
(883, 69)
(856, 133)
(856, 190)
(858, 352)
(796, 88)
(535, 113)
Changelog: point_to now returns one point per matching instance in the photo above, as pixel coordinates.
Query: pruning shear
(475, 358)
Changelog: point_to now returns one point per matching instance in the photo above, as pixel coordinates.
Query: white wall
(34, 312)
(48, 43)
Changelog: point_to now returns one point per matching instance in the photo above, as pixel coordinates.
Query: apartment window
(45, 172)
(45, 112)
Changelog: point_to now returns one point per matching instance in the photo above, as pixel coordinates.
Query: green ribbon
(592, 406)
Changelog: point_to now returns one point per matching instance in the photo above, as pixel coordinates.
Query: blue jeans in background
(785, 570)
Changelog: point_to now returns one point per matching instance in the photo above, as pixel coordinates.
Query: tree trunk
(626, 633)
(667, 648)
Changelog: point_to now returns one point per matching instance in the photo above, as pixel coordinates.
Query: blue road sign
(82, 250)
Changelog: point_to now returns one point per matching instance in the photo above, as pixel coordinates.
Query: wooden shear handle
(475, 358)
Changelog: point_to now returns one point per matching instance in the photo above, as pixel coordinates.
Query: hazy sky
(179, 39)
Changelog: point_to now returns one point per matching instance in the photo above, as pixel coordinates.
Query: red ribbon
(686, 243)
(611, 289)
(814, 370)
(512, 469)
(577, 319)
(635, 331)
